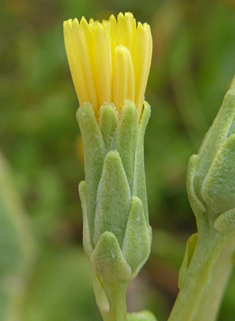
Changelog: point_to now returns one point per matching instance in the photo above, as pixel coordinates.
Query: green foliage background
(44, 275)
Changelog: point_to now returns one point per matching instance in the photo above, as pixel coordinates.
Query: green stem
(116, 294)
(220, 275)
(208, 248)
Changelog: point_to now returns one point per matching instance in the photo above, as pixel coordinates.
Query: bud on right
(211, 173)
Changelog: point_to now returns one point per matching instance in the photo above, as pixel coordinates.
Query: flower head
(109, 61)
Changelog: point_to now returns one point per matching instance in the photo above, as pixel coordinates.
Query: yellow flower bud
(109, 61)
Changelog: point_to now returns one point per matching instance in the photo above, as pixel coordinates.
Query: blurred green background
(44, 275)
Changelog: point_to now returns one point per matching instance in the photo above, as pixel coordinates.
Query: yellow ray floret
(109, 61)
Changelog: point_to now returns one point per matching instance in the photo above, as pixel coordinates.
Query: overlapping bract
(109, 61)
(116, 231)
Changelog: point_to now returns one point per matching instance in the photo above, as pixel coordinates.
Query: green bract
(117, 235)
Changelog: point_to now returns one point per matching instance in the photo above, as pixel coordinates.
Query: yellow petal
(79, 58)
(126, 30)
(75, 63)
(113, 34)
(123, 77)
(88, 30)
(103, 63)
(142, 53)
